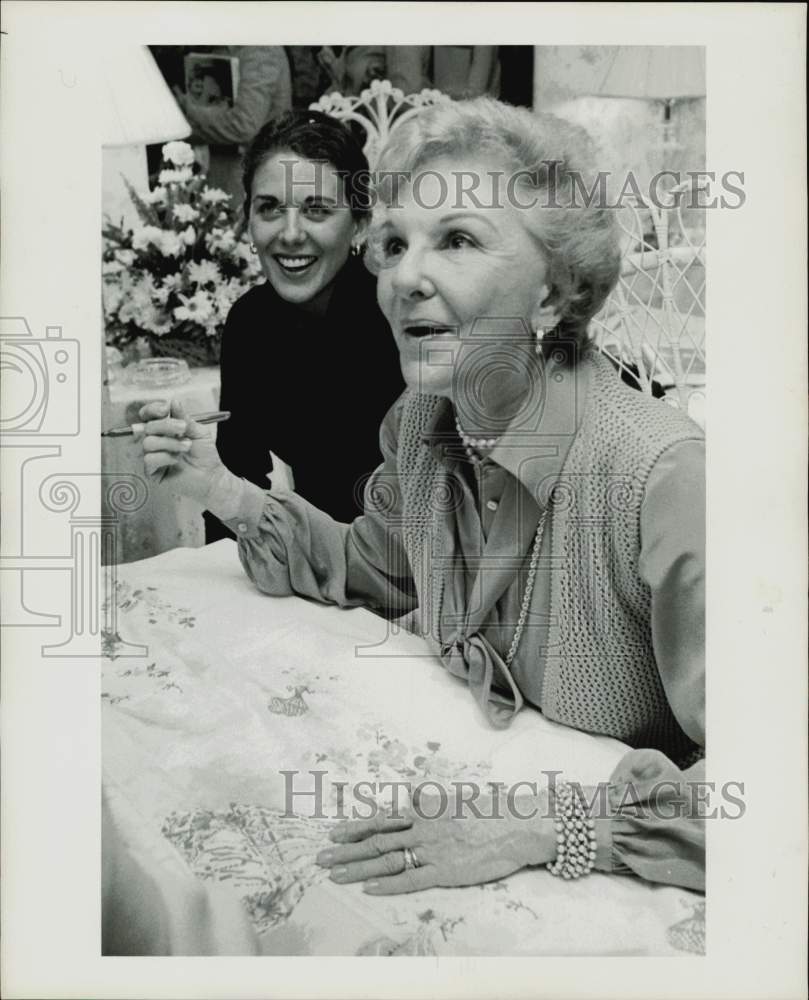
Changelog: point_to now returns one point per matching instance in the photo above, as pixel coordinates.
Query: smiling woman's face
(462, 273)
(301, 226)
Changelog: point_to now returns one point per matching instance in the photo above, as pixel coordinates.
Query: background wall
(565, 77)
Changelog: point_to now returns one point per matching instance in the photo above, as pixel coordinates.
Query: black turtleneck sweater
(313, 390)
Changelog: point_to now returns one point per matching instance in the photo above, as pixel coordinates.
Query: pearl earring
(253, 248)
(356, 249)
(539, 335)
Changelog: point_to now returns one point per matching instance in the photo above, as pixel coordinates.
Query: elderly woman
(545, 520)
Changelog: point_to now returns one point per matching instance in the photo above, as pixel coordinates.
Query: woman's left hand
(450, 850)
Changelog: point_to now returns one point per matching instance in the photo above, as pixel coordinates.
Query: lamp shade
(655, 72)
(136, 104)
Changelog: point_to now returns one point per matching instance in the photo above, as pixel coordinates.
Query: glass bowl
(156, 373)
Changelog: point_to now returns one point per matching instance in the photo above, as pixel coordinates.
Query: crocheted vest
(600, 673)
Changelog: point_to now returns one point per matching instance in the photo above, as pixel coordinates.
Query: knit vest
(600, 673)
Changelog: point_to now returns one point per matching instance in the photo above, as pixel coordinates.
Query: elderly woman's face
(459, 269)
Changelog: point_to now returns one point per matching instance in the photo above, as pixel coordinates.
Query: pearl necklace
(529, 589)
(472, 445)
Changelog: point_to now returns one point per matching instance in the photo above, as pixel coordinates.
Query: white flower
(168, 285)
(142, 236)
(197, 308)
(220, 239)
(178, 153)
(243, 252)
(214, 196)
(155, 197)
(188, 236)
(126, 257)
(203, 272)
(140, 308)
(226, 293)
(170, 244)
(185, 213)
(112, 293)
(180, 176)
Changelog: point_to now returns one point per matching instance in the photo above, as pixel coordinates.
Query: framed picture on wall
(211, 79)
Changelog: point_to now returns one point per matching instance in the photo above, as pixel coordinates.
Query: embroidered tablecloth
(230, 688)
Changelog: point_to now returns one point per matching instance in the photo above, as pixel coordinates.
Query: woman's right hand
(178, 449)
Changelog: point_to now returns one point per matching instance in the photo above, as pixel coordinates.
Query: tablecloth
(238, 687)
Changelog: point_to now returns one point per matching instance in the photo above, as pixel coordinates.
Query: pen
(201, 418)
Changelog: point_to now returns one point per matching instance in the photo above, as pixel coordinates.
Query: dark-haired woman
(308, 365)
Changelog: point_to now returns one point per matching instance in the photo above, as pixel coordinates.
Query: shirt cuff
(237, 503)
(601, 811)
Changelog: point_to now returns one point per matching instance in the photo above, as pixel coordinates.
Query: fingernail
(338, 874)
(370, 886)
(186, 444)
(336, 835)
(325, 858)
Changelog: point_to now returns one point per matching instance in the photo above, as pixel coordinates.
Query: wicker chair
(653, 323)
(378, 110)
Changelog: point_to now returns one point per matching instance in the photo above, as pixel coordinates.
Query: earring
(356, 249)
(539, 335)
(253, 248)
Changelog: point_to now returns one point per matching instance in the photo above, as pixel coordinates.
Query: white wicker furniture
(378, 109)
(654, 320)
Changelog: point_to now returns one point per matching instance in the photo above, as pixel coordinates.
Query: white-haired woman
(546, 521)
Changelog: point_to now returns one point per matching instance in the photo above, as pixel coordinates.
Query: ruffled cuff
(649, 821)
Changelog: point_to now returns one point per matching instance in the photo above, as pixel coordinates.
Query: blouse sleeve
(654, 823)
(288, 546)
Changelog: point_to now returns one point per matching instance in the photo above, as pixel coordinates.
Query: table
(238, 691)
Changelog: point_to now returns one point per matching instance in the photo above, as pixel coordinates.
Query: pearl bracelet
(575, 835)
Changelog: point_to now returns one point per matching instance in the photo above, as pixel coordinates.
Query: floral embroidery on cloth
(385, 756)
(419, 941)
(126, 599)
(151, 673)
(267, 857)
(294, 705)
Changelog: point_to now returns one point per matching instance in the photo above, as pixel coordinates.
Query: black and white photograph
(396, 582)
(484, 415)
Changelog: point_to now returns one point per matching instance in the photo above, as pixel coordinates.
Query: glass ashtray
(156, 373)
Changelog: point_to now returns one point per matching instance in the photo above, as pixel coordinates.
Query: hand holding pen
(214, 417)
(179, 447)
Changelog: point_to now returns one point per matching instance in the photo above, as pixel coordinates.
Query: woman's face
(461, 278)
(301, 227)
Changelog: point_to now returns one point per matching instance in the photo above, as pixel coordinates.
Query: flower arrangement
(170, 281)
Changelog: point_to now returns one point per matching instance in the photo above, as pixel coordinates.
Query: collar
(536, 443)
